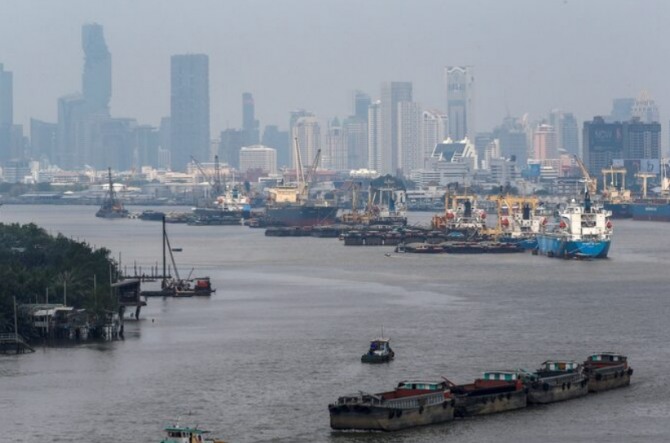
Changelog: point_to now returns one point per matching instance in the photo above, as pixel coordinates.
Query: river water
(260, 360)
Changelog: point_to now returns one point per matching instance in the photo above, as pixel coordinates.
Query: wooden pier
(14, 343)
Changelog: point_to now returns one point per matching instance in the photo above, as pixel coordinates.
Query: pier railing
(14, 339)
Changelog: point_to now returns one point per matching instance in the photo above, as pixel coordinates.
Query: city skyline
(264, 52)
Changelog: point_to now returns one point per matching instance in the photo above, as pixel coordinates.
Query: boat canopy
(559, 365)
(423, 385)
(500, 375)
(607, 356)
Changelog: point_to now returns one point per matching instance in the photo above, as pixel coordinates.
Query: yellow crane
(591, 183)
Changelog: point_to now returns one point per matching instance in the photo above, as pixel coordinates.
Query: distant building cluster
(389, 133)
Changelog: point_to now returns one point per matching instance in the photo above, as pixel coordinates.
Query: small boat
(151, 215)
(555, 381)
(496, 391)
(380, 351)
(203, 286)
(184, 434)
(412, 403)
(607, 370)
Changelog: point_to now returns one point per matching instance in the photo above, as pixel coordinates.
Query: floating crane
(214, 182)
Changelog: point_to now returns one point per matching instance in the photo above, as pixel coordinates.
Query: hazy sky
(529, 55)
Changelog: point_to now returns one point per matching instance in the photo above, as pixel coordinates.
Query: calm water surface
(282, 337)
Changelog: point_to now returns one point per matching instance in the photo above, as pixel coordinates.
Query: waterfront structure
(6, 113)
(375, 151)
(392, 93)
(460, 88)
(410, 147)
(189, 109)
(258, 157)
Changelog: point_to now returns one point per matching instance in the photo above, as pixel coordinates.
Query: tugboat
(555, 381)
(496, 391)
(380, 351)
(203, 286)
(184, 434)
(111, 206)
(584, 231)
(607, 370)
(413, 403)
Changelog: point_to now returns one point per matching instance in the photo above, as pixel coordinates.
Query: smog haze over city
(529, 56)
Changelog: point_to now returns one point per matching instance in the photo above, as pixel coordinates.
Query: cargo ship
(519, 220)
(651, 210)
(412, 403)
(291, 205)
(584, 231)
(616, 198)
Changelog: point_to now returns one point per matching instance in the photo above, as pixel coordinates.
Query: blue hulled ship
(583, 231)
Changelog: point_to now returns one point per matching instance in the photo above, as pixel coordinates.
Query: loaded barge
(555, 381)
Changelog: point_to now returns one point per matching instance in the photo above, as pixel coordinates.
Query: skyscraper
(622, 109)
(434, 130)
(645, 108)
(375, 151)
(308, 133)
(189, 109)
(544, 142)
(249, 122)
(361, 104)
(459, 82)
(6, 113)
(410, 148)
(336, 149)
(278, 140)
(392, 93)
(97, 76)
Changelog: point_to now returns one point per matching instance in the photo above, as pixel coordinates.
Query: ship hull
(301, 215)
(604, 379)
(483, 404)
(559, 246)
(619, 210)
(553, 389)
(651, 212)
(378, 418)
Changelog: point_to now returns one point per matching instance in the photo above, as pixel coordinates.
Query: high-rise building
(72, 131)
(513, 140)
(43, 139)
(189, 109)
(622, 110)
(459, 81)
(278, 140)
(258, 157)
(306, 133)
(392, 93)
(434, 130)
(645, 109)
(410, 146)
(249, 122)
(97, 76)
(6, 113)
(230, 143)
(568, 133)
(632, 142)
(362, 102)
(375, 151)
(544, 142)
(355, 132)
(336, 149)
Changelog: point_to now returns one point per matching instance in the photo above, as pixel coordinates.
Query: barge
(555, 381)
(607, 370)
(496, 391)
(412, 403)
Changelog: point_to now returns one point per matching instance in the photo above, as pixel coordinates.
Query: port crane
(214, 182)
(591, 183)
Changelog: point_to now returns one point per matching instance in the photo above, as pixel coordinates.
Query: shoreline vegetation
(41, 270)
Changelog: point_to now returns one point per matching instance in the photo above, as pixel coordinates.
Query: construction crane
(311, 173)
(591, 184)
